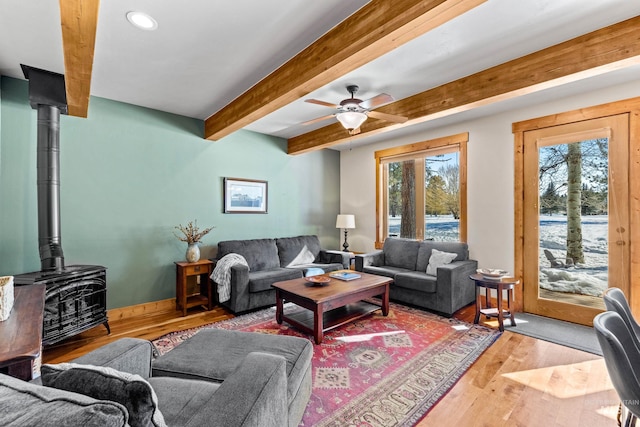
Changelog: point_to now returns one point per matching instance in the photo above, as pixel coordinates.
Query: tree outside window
(421, 196)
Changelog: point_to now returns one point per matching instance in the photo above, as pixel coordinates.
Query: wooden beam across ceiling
(377, 28)
(592, 54)
(79, 20)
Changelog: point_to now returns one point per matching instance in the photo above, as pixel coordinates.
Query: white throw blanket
(222, 274)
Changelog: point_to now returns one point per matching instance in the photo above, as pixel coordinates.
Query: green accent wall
(129, 175)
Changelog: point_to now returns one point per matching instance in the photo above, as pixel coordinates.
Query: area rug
(377, 371)
(568, 334)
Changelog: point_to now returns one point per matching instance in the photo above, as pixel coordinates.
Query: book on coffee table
(344, 275)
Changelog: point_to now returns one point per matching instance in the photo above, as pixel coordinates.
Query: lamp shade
(346, 221)
(351, 119)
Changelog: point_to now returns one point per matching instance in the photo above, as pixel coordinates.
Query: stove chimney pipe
(47, 95)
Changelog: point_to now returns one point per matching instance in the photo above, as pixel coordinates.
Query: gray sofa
(270, 261)
(254, 394)
(406, 261)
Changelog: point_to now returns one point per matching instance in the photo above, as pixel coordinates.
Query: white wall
(490, 175)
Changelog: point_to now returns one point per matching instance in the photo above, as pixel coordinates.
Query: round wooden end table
(500, 285)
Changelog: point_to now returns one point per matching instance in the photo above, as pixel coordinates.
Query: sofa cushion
(438, 259)
(26, 404)
(424, 252)
(261, 254)
(182, 398)
(401, 253)
(131, 355)
(385, 270)
(260, 281)
(192, 358)
(106, 383)
(416, 280)
(298, 250)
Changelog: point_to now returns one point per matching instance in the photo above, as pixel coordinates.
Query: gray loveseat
(406, 261)
(270, 261)
(256, 393)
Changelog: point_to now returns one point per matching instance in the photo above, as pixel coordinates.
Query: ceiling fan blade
(354, 131)
(377, 101)
(316, 120)
(387, 117)
(323, 103)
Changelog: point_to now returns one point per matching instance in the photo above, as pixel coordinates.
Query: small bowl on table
(492, 273)
(318, 280)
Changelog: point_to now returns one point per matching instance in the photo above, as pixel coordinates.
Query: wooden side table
(184, 270)
(505, 283)
(21, 333)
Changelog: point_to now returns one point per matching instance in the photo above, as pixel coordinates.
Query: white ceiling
(207, 52)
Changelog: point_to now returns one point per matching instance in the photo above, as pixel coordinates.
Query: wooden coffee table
(330, 305)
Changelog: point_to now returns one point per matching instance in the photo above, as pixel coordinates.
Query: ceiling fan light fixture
(142, 20)
(351, 119)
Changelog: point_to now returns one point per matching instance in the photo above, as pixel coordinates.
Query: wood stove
(75, 300)
(76, 296)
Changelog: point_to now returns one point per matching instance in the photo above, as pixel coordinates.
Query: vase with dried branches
(192, 235)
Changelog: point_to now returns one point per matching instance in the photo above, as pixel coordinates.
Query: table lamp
(346, 221)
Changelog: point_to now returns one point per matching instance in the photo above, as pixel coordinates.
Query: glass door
(576, 213)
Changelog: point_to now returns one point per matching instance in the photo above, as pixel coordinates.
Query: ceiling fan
(352, 112)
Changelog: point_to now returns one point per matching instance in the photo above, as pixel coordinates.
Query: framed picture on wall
(245, 196)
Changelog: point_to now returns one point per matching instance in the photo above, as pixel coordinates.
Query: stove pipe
(47, 95)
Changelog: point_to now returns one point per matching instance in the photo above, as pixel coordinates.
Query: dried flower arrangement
(191, 232)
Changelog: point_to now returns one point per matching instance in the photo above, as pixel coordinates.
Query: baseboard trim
(137, 310)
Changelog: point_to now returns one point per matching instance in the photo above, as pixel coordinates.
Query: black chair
(615, 300)
(621, 351)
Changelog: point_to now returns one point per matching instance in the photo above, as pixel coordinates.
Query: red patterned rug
(377, 371)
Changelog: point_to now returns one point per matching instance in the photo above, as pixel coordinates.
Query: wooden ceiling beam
(377, 28)
(598, 52)
(79, 20)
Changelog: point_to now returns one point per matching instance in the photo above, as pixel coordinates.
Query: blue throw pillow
(313, 272)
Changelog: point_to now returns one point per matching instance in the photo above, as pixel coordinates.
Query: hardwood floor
(518, 381)
(523, 381)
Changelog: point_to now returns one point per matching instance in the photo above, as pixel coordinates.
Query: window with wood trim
(421, 190)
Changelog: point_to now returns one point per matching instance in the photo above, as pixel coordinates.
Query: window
(421, 190)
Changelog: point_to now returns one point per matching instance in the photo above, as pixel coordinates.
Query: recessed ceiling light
(142, 20)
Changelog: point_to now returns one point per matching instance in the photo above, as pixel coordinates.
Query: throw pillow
(437, 259)
(305, 256)
(105, 383)
(313, 272)
(28, 404)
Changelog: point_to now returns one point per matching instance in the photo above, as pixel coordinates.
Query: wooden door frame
(630, 106)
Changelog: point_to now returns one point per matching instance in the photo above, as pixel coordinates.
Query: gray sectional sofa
(270, 261)
(261, 380)
(444, 290)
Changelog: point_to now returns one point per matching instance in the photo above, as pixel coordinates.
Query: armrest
(130, 355)
(239, 275)
(457, 272)
(239, 287)
(254, 395)
(375, 258)
(336, 256)
(454, 288)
